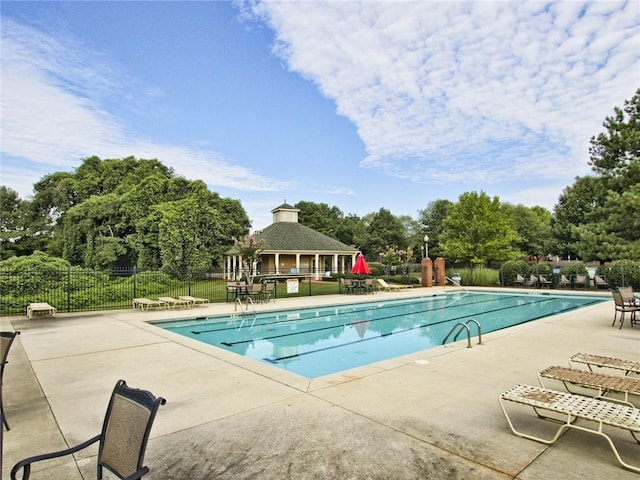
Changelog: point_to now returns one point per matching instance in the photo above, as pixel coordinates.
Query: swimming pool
(319, 341)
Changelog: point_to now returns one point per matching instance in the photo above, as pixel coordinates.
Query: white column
(277, 262)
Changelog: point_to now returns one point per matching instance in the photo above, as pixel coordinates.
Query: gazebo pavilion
(290, 248)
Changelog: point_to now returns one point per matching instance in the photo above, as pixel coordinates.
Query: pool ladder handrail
(465, 325)
(248, 301)
(457, 283)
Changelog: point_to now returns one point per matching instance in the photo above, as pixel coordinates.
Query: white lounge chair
(145, 302)
(599, 382)
(193, 300)
(41, 307)
(590, 360)
(174, 302)
(389, 286)
(573, 408)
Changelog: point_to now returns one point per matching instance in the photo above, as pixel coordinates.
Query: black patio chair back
(6, 340)
(623, 307)
(124, 436)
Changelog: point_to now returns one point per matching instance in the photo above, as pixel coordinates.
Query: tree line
(122, 212)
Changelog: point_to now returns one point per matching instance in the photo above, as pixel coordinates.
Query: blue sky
(360, 105)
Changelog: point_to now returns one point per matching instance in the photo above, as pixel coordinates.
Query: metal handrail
(459, 326)
(457, 283)
(249, 300)
(238, 301)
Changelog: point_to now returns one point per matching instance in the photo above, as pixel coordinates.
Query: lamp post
(426, 246)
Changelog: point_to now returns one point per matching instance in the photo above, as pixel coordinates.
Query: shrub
(577, 268)
(623, 273)
(511, 269)
(404, 279)
(31, 274)
(377, 269)
(479, 277)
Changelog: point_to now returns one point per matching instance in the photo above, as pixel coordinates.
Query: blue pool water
(319, 341)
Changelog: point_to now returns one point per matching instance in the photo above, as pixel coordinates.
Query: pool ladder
(458, 327)
(247, 302)
(457, 283)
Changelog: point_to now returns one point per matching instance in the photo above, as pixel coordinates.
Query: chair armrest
(26, 463)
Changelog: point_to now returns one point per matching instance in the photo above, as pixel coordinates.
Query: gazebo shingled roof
(289, 236)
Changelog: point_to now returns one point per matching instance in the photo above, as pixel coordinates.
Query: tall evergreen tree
(597, 216)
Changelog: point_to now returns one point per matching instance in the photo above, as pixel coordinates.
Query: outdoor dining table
(239, 290)
(359, 285)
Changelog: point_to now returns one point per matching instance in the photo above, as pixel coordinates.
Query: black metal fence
(76, 289)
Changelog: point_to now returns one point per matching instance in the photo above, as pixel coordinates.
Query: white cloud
(462, 91)
(52, 115)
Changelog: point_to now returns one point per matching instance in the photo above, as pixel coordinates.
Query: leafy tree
(478, 229)
(597, 215)
(414, 238)
(384, 231)
(11, 222)
(193, 232)
(533, 225)
(352, 230)
(575, 204)
(431, 220)
(21, 231)
(128, 211)
(250, 249)
(320, 217)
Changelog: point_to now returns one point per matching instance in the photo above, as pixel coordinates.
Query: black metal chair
(623, 307)
(6, 339)
(124, 436)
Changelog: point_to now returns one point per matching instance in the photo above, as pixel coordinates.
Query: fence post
(68, 288)
(135, 279)
(189, 279)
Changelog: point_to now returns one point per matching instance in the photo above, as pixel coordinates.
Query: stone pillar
(427, 272)
(440, 271)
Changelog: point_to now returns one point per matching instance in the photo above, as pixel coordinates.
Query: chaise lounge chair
(627, 366)
(543, 282)
(174, 302)
(388, 287)
(600, 282)
(573, 408)
(145, 302)
(124, 436)
(564, 281)
(600, 382)
(40, 307)
(193, 300)
(581, 280)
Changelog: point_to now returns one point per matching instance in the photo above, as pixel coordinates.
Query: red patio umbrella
(361, 267)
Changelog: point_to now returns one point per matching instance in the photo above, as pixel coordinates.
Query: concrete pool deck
(428, 415)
